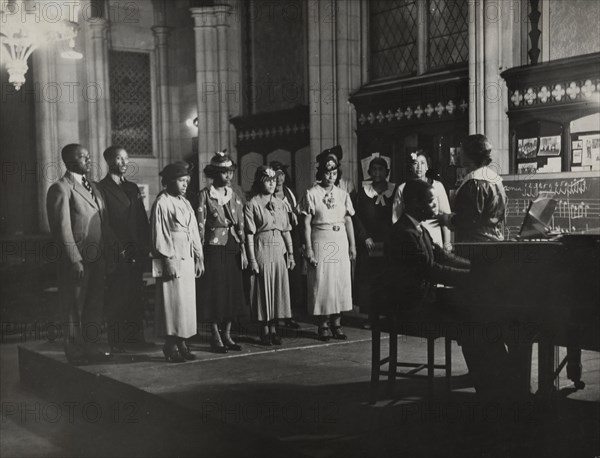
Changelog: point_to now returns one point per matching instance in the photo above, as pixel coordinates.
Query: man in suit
(129, 223)
(417, 265)
(77, 218)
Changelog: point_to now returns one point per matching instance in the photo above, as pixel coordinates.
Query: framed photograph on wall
(550, 146)
(527, 168)
(527, 148)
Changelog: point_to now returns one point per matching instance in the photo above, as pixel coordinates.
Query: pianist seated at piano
(480, 200)
(416, 267)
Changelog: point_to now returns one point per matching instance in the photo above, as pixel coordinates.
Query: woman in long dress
(178, 258)
(221, 224)
(420, 169)
(270, 255)
(329, 241)
(285, 193)
(372, 222)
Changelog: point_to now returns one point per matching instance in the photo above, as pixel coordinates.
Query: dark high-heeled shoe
(185, 351)
(265, 340)
(216, 348)
(232, 346)
(172, 354)
(323, 334)
(338, 334)
(275, 339)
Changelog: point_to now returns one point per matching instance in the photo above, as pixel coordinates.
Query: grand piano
(546, 291)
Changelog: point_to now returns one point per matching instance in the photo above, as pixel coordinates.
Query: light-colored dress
(175, 235)
(270, 289)
(442, 205)
(329, 283)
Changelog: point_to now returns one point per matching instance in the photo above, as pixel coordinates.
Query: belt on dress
(328, 227)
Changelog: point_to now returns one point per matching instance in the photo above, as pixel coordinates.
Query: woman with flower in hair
(178, 258)
(329, 240)
(221, 224)
(420, 169)
(270, 254)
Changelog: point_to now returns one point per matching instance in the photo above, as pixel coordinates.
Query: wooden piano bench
(395, 325)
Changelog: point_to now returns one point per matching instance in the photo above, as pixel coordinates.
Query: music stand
(538, 216)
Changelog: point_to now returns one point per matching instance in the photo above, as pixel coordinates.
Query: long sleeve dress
(175, 236)
(480, 207)
(329, 283)
(270, 289)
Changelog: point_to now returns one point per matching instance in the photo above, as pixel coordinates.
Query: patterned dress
(270, 289)
(221, 288)
(329, 283)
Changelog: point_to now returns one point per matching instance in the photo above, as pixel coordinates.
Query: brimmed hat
(220, 162)
(334, 151)
(176, 170)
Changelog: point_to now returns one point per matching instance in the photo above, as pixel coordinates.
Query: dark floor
(305, 398)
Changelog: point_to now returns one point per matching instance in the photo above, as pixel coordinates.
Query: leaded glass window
(393, 30)
(409, 37)
(448, 32)
(131, 101)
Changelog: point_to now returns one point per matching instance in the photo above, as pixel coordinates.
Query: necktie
(86, 184)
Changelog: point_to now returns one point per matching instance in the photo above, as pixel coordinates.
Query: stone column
(98, 108)
(56, 118)
(161, 36)
(210, 27)
(490, 29)
(334, 72)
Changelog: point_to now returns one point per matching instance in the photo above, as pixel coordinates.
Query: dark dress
(480, 206)
(373, 219)
(221, 288)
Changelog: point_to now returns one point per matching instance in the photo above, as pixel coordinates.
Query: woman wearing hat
(420, 169)
(221, 223)
(178, 258)
(373, 221)
(270, 254)
(480, 200)
(329, 241)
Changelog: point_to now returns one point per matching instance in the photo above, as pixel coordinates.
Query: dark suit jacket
(128, 219)
(416, 265)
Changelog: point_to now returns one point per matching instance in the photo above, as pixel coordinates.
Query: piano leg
(574, 366)
(519, 356)
(546, 364)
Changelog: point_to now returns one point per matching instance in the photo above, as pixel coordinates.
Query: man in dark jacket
(129, 222)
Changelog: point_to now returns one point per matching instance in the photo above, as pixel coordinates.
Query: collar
(116, 178)
(371, 192)
(78, 177)
(221, 199)
(416, 223)
(484, 173)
